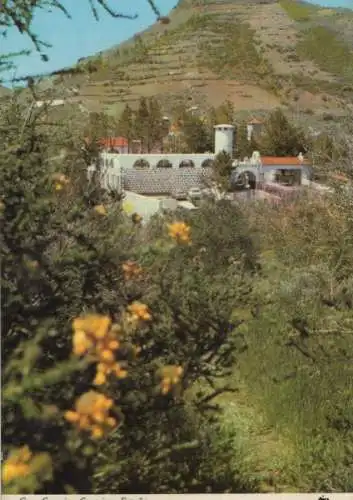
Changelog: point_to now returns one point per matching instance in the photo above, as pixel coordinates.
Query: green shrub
(68, 251)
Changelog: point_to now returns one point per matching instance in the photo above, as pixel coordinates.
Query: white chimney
(224, 135)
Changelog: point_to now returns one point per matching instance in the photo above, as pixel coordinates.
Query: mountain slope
(257, 53)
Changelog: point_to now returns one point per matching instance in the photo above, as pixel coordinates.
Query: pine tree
(244, 147)
(225, 113)
(222, 169)
(142, 128)
(280, 137)
(157, 129)
(196, 135)
(125, 126)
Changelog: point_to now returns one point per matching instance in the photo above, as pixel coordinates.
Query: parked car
(194, 194)
(180, 195)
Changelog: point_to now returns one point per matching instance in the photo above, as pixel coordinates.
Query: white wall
(269, 171)
(143, 205)
(126, 161)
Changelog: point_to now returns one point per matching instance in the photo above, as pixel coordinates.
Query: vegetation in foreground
(203, 352)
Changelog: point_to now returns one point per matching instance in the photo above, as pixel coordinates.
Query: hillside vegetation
(256, 54)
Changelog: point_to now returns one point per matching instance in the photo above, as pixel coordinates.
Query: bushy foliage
(69, 252)
(221, 171)
(305, 318)
(280, 137)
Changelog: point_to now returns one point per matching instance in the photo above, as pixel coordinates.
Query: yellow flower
(98, 417)
(100, 379)
(14, 471)
(97, 432)
(17, 465)
(81, 343)
(170, 376)
(92, 414)
(72, 416)
(139, 311)
(119, 372)
(84, 423)
(96, 336)
(106, 356)
(100, 209)
(131, 270)
(93, 325)
(166, 385)
(179, 231)
(24, 454)
(113, 345)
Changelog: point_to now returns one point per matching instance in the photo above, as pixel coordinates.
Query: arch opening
(245, 181)
(186, 164)
(164, 164)
(141, 164)
(207, 163)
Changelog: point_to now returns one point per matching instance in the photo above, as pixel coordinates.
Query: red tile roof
(285, 160)
(114, 142)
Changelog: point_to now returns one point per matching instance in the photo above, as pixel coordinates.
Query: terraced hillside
(257, 53)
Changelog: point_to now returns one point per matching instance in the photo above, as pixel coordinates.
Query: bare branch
(20, 14)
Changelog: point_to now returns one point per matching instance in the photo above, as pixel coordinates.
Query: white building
(175, 174)
(270, 169)
(53, 103)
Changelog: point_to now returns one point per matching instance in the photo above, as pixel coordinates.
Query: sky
(82, 35)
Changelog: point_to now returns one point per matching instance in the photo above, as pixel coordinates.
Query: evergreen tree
(244, 147)
(157, 128)
(196, 135)
(222, 169)
(142, 124)
(280, 137)
(225, 113)
(98, 127)
(125, 126)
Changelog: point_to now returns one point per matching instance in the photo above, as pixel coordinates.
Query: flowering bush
(106, 328)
